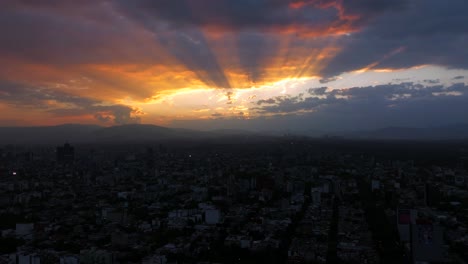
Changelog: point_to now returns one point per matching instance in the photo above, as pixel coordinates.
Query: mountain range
(142, 133)
(97, 134)
(447, 132)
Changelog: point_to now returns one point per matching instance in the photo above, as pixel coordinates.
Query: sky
(299, 65)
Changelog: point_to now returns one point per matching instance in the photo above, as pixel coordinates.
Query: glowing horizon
(112, 62)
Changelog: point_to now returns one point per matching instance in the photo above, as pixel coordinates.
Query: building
(427, 243)
(65, 154)
(212, 216)
(316, 196)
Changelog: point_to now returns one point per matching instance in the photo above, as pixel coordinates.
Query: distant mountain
(144, 133)
(132, 133)
(92, 134)
(231, 132)
(448, 132)
(46, 134)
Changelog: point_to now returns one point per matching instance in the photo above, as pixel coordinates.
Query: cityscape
(237, 199)
(233, 131)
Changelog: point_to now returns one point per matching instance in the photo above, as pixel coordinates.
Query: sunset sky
(248, 64)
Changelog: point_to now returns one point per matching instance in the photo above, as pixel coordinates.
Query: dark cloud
(107, 114)
(102, 118)
(254, 50)
(423, 32)
(217, 115)
(122, 114)
(318, 91)
(459, 77)
(406, 104)
(62, 104)
(45, 33)
(226, 14)
(252, 27)
(401, 80)
(329, 79)
(435, 81)
(374, 6)
(268, 101)
(36, 97)
(192, 50)
(385, 33)
(293, 104)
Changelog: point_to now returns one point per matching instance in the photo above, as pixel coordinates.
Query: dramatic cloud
(236, 15)
(358, 108)
(105, 58)
(436, 81)
(318, 91)
(289, 38)
(57, 103)
(397, 104)
(423, 32)
(327, 80)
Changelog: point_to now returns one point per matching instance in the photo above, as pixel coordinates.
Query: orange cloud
(117, 59)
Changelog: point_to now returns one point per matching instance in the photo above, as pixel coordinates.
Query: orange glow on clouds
(213, 71)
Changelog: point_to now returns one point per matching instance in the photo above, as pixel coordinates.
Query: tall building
(65, 154)
(150, 159)
(316, 196)
(427, 243)
(405, 218)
